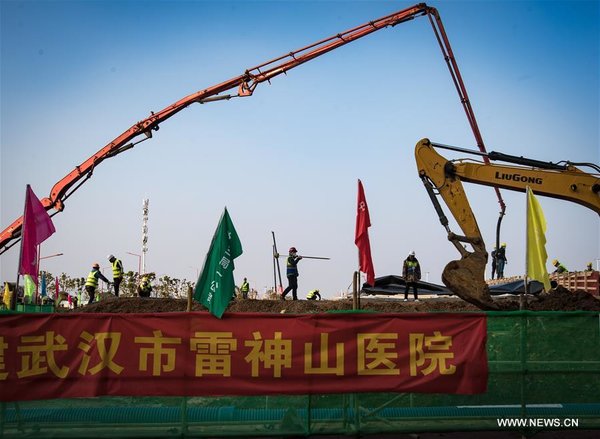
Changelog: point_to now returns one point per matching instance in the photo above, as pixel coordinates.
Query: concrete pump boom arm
(444, 177)
(245, 85)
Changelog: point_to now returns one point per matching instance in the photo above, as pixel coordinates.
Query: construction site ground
(559, 299)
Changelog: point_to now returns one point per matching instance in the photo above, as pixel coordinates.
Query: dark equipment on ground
(392, 285)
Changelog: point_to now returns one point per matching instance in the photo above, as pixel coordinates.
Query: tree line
(163, 286)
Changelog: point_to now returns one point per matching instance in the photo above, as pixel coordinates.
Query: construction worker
(493, 255)
(411, 271)
(589, 267)
(560, 268)
(245, 288)
(117, 269)
(313, 294)
(501, 260)
(292, 273)
(92, 281)
(144, 288)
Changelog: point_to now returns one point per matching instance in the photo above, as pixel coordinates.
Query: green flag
(215, 286)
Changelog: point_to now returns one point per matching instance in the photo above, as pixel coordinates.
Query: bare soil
(559, 299)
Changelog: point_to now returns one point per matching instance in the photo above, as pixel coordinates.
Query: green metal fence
(544, 369)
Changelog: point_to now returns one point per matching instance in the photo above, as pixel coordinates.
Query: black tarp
(393, 284)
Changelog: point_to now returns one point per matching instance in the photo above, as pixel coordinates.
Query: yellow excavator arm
(466, 277)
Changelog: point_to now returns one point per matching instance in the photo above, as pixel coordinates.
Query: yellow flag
(6, 297)
(536, 241)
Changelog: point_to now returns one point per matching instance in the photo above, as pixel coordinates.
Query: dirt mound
(559, 299)
(562, 299)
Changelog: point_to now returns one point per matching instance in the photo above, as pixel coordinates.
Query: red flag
(361, 237)
(37, 227)
(56, 288)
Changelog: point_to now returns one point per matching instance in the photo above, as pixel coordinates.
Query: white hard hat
(412, 253)
(109, 257)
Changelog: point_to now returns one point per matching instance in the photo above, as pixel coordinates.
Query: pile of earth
(559, 299)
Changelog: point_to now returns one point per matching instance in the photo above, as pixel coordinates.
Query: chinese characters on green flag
(215, 286)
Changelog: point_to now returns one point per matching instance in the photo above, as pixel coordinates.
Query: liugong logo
(518, 177)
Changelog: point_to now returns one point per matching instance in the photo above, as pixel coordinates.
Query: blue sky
(76, 74)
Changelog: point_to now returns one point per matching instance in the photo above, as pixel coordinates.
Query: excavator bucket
(465, 279)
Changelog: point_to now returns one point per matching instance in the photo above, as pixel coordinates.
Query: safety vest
(117, 272)
(92, 280)
(411, 266)
(311, 294)
(291, 269)
(561, 268)
(145, 286)
(245, 287)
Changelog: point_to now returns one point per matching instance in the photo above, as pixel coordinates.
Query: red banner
(45, 356)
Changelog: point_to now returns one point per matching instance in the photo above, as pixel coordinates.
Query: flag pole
(357, 249)
(277, 262)
(357, 283)
(190, 294)
(274, 272)
(37, 270)
(525, 280)
(356, 276)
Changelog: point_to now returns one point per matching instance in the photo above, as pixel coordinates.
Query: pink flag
(37, 227)
(361, 237)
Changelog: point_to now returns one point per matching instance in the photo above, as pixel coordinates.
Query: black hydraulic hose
(498, 230)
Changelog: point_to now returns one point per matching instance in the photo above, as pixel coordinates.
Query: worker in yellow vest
(117, 269)
(144, 289)
(292, 273)
(313, 295)
(560, 268)
(411, 271)
(245, 288)
(92, 281)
